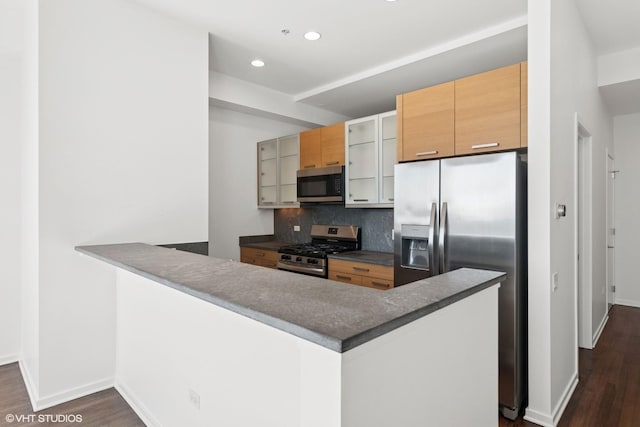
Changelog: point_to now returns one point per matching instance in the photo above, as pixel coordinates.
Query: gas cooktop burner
(311, 258)
(318, 250)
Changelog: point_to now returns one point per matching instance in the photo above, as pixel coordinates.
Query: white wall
(122, 156)
(233, 178)
(627, 209)
(11, 71)
(249, 374)
(29, 183)
(563, 81)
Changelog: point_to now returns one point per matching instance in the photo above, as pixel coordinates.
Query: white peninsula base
(182, 361)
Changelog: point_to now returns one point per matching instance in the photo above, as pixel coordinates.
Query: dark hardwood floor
(104, 409)
(608, 393)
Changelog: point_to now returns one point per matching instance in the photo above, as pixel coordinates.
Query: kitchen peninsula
(206, 341)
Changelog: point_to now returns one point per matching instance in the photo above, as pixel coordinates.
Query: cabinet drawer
(361, 268)
(373, 282)
(259, 257)
(339, 276)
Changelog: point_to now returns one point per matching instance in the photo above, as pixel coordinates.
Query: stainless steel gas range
(311, 258)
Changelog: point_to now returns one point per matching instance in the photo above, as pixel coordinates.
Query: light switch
(296, 228)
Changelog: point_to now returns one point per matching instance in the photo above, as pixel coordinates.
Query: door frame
(583, 185)
(610, 174)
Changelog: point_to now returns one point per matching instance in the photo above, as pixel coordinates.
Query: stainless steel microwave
(321, 185)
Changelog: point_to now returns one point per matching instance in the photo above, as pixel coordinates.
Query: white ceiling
(371, 50)
(613, 24)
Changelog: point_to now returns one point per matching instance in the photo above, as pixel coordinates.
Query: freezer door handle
(442, 237)
(432, 226)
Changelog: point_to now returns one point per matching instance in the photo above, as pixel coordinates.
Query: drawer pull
(260, 254)
(491, 144)
(309, 166)
(339, 276)
(332, 163)
(360, 200)
(361, 269)
(427, 153)
(384, 285)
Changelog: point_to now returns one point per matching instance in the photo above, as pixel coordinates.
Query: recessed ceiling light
(257, 63)
(312, 35)
(390, 1)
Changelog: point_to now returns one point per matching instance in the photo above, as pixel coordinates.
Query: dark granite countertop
(369, 257)
(266, 242)
(335, 315)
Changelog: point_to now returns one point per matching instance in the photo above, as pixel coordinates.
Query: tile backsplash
(375, 224)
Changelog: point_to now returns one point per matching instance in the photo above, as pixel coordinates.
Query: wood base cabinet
(362, 274)
(260, 257)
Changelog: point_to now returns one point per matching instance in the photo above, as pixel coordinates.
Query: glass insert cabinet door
(267, 172)
(278, 161)
(288, 167)
(388, 154)
(371, 155)
(362, 153)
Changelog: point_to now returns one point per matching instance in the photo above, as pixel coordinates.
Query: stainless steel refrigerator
(470, 212)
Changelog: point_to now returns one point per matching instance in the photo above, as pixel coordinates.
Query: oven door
(321, 185)
(300, 264)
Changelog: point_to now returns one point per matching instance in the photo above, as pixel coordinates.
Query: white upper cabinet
(370, 150)
(278, 161)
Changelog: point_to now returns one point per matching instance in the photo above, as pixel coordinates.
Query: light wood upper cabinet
(310, 149)
(524, 109)
(332, 145)
(487, 111)
(322, 147)
(426, 123)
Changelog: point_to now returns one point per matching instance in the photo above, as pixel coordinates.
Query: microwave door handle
(442, 238)
(432, 226)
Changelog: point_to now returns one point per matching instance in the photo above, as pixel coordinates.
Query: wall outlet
(194, 399)
(554, 282)
(296, 228)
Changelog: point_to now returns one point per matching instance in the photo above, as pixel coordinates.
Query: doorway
(611, 231)
(583, 187)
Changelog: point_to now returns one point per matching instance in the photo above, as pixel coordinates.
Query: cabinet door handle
(491, 144)
(427, 153)
(360, 200)
(332, 163)
(309, 166)
(384, 285)
(287, 202)
(361, 269)
(391, 199)
(339, 276)
(267, 203)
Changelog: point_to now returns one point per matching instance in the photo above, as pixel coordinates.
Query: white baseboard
(539, 418)
(138, 407)
(552, 420)
(596, 336)
(38, 403)
(627, 302)
(9, 358)
(32, 390)
(72, 394)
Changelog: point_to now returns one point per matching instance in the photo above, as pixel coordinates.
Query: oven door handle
(291, 267)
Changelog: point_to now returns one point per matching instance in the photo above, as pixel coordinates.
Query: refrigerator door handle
(442, 237)
(432, 226)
